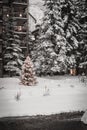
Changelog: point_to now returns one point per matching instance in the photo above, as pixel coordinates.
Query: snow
(51, 95)
(36, 12)
(36, 9)
(84, 118)
(35, 1)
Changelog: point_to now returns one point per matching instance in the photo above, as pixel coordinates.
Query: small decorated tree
(28, 73)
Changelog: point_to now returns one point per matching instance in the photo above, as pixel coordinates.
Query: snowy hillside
(49, 96)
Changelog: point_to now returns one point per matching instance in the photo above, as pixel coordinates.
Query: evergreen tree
(70, 17)
(28, 73)
(82, 48)
(13, 57)
(34, 42)
(51, 52)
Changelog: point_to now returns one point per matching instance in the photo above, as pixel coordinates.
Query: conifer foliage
(71, 28)
(51, 52)
(82, 7)
(28, 73)
(13, 56)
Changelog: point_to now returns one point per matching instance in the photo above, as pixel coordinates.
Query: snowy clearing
(50, 96)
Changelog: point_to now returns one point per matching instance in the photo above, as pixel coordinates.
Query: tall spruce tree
(13, 57)
(81, 17)
(83, 34)
(70, 16)
(34, 50)
(51, 52)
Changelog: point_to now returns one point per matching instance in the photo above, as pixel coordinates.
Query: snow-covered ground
(49, 96)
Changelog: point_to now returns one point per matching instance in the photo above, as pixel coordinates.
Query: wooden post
(1, 68)
(73, 71)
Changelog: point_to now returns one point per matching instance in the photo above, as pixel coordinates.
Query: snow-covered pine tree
(70, 17)
(34, 43)
(13, 57)
(51, 52)
(28, 73)
(82, 7)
